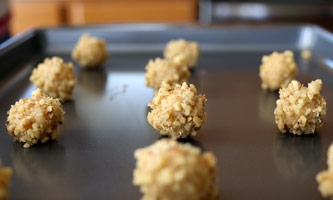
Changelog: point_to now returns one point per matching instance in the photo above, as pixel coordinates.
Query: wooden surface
(40, 13)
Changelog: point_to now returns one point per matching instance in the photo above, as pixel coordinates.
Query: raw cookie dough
(277, 70)
(55, 77)
(162, 70)
(90, 51)
(325, 178)
(182, 52)
(177, 111)
(5, 175)
(35, 119)
(171, 170)
(300, 109)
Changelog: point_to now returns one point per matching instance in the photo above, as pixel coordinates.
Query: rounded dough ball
(300, 110)
(90, 51)
(162, 70)
(5, 175)
(325, 177)
(171, 170)
(177, 111)
(55, 77)
(182, 52)
(277, 70)
(34, 119)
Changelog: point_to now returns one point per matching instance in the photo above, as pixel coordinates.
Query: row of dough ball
(165, 169)
(179, 56)
(56, 77)
(299, 109)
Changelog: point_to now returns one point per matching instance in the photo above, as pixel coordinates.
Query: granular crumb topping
(170, 170)
(162, 70)
(277, 70)
(34, 119)
(90, 51)
(182, 52)
(325, 178)
(5, 175)
(300, 110)
(177, 111)
(55, 77)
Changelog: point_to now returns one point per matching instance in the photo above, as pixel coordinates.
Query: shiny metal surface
(92, 157)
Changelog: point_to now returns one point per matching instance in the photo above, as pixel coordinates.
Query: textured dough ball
(162, 70)
(5, 175)
(55, 77)
(34, 119)
(177, 111)
(182, 52)
(300, 109)
(173, 171)
(325, 178)
(90, 51)
(277, 70)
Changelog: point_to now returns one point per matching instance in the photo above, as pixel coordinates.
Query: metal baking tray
(92, 157)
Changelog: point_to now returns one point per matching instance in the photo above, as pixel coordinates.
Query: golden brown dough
(182, 52)
(177, 111)
(55, 77)
(277, 70)
(325, 178)
(173, 171)
(5, 175)
(35, 119)
(162, 70)
(300, 109)
(90, 51)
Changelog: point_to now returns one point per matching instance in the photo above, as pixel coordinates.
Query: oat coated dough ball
(170, 170)
(300, 110)
(90, 51)
(163, 70)
(277, 70)
(35, 119)
(5, 175)
(177, 111)
(55, 77)
(182, 52)
(325, 178)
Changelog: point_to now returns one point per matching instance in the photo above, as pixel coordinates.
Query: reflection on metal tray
(92, 157)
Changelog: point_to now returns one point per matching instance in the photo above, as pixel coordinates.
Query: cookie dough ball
(162, 70)
(325, 178)
(34, 119)
(55, 77)
(277, 70)
(177, 111)
(171, 170)
(5, 175)
(300, 109)
(90, 51)
(182, 52)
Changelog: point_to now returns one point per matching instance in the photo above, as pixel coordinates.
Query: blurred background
(26, 14)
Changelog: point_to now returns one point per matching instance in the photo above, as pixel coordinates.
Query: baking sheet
(92, 157)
